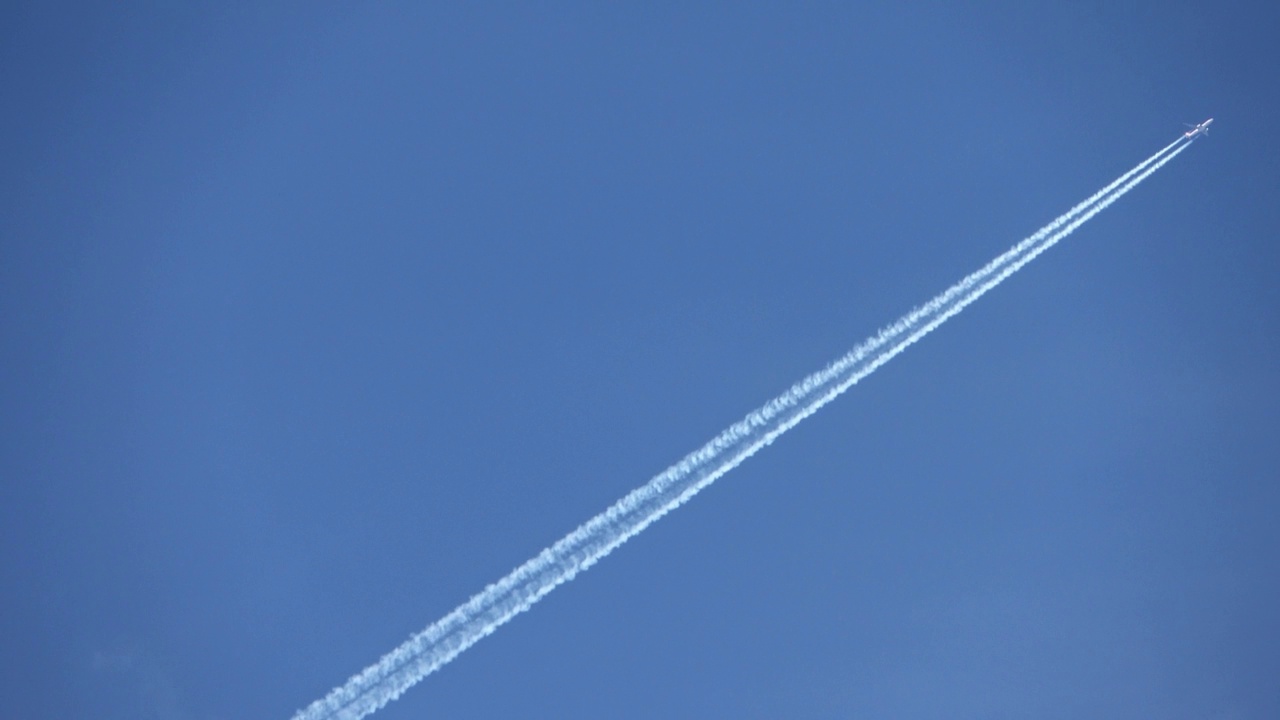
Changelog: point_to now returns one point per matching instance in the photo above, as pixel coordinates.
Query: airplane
(1196, 130)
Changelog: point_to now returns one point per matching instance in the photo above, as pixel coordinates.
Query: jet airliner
(1197, 130)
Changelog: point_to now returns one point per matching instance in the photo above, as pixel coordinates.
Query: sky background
(316, 318)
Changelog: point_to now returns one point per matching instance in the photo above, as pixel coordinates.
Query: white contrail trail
(439, 643)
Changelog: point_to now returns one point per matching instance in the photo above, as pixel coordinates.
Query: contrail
(444, 640)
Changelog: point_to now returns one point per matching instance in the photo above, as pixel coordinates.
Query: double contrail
(445, 639)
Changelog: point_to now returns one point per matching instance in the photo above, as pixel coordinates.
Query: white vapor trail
(433, 647)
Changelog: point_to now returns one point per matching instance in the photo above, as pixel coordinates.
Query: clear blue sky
(316, 319)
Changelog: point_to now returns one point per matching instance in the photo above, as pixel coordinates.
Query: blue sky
(317, 319)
